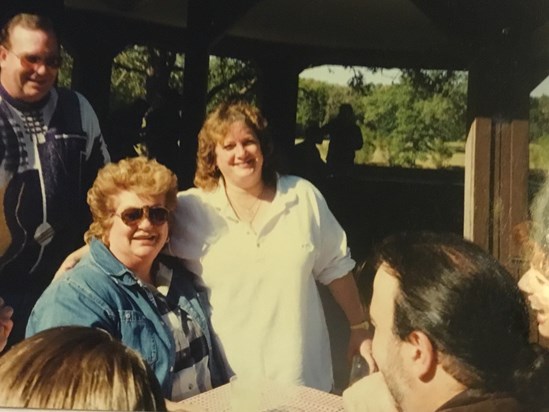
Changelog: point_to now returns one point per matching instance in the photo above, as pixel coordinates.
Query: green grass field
(539, 156)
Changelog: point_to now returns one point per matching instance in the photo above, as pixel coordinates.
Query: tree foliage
(539, 118)
(318, 102)
(403, 123)
(230, 79)
(416, 117)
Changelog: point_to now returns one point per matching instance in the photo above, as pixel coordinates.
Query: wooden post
(278, 101)
(195, 87)
(496, 186)
(93, 56)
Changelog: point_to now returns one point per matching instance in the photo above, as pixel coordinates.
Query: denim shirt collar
(104, 258)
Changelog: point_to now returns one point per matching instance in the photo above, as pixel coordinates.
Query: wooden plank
(501, 133)
(496, 176)
(477, 182)
(518, 190)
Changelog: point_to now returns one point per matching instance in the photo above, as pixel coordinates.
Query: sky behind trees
(340, 75)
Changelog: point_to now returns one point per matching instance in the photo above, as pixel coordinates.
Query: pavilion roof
(384, 33)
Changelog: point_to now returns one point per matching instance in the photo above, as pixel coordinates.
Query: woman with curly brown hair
(148, 301)
(260, 241)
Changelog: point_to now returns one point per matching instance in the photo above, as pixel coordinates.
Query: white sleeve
(333, 258)
(188, 230)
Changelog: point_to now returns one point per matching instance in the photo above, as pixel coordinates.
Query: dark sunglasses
(157, 215)
(30, 61)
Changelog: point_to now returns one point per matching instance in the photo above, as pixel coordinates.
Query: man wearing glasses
(51, 148)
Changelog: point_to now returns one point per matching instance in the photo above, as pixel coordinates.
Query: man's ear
(3, 55)
(421, 355)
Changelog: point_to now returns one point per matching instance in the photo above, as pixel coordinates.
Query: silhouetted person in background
(345, 139)
(124, 128)
(162, 128)
(306, 161)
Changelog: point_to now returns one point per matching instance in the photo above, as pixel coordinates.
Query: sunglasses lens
(131, 216)
(31, 60)
(53, 61)
(158, 215)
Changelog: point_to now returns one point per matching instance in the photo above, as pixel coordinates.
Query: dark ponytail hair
(531, 378)
(471, 308)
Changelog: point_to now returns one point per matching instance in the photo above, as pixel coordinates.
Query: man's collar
(22, 105)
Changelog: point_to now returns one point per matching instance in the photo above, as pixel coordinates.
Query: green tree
(318, 102)
(231, 79)
(539, 118)
(413, 120)
(65, 71)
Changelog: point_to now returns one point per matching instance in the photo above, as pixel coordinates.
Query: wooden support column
(195, 87)
(496, 156)
(496, 186)
(279, 81)
(91, 72)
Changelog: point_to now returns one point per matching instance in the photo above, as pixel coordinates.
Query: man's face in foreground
(386, 346)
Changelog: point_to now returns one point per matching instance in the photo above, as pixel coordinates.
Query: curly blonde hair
(532, 236)
(145, 177)
(215, 129)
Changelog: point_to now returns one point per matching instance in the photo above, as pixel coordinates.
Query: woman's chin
(543, 329)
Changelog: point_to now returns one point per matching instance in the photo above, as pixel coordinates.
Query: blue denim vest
(101, 292)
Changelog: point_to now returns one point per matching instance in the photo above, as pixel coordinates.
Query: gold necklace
(250, 212)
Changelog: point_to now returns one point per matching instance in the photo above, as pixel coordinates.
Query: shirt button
(190, 385)
(171, 369)
(128, 316)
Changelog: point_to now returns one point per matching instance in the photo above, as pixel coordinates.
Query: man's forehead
(386, 287)
(22, 34)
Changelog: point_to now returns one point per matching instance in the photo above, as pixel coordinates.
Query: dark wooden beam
(244, 49)
(226, 14)
(478, 24)
(126, 30)
(449, 17)
(195, 87)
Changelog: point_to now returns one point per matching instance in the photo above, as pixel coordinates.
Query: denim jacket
(101, 292)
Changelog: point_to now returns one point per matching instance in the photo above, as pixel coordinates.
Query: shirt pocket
(139, 333)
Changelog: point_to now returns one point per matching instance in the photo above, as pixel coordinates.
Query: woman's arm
(71, 260)
(345, 293)
(71, 303)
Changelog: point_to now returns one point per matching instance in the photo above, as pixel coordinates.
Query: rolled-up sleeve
(333, 255)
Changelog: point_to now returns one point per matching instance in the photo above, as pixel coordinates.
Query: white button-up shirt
(266, 309)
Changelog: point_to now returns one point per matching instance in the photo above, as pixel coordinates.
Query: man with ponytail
(451, 333)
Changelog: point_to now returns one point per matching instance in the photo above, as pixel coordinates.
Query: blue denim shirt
(101, 292)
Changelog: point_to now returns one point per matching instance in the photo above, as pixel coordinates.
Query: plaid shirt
(191, 374)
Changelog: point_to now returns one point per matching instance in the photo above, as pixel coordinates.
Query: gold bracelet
(362, 325)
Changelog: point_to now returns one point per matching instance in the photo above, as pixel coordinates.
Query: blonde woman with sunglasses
(148, 301)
